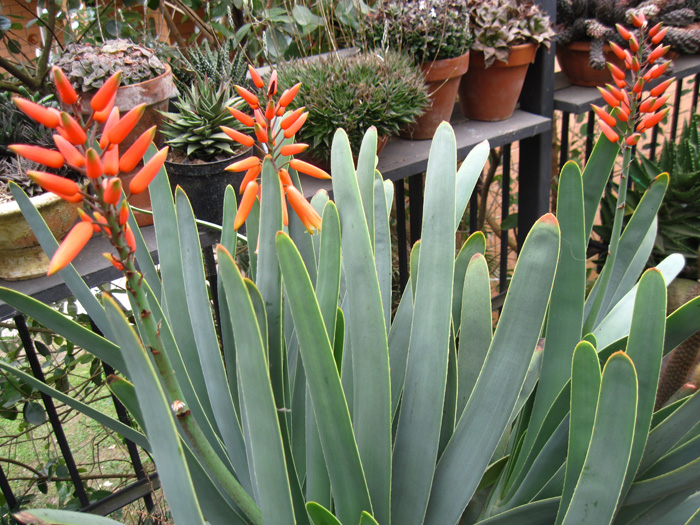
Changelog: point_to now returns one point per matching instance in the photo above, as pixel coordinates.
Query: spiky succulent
(216, 64)
(17, 128)
(195, 129)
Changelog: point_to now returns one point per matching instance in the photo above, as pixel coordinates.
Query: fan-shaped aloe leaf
(595, 177)
(399, 338)
(535, 513)
(683, 478)
(467, 176)
(475, 243)
(62, 517)
(382, 247)
(320, 515)
(366, 161)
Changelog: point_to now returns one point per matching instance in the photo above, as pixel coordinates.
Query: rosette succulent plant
(222, 64)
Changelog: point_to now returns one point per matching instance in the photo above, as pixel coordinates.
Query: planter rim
(520, 54)
(11, 207)
(446, 68)
(215, 163)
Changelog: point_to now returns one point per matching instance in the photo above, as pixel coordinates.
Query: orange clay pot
(574, 63)
(492, 93)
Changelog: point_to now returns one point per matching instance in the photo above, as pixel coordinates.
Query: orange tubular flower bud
(658, 37)
(652, 120)
(638, 19)
(633, 139)
(86, 218)
(621, 114)
(112, 190)
(115, 262)
(48, 117)
(619, 52)
(654, 30)
(272, 84)
(244, 119)
(661, 88)
(657, 53)
(74, 132)
(291, 130)
(241, 138)
(130, 239)
(255, 76)
(102, 116)
(292, 118)
(308, 215)
(250, 175)
(260, 118)
(646, 106)
(123, 213)
(270, 111)
(260, 133)
(624, 32)
(634, 44)
(249, 97)
(146, 174)
(122, 128)
(75, 198)
(638, 87)
(93, 164)
(110, 161)
(618, 94)
(63, 87)
(247, 202)
(616, 71)
(109, 124)
(244, 165)
(47, 157)
(136, 151)
(309, 169)
(71, 246)
(106, 92)
(280, 110)
(659, 69)
(54, 183)
(293, 149)
(635, 65)
(604, 116)
(609, 99)
(101, 223)
(285, 179)
(659, 103)
(611, 135)
(70, 153)
(621, 83)
(289, 95)
(285, 211)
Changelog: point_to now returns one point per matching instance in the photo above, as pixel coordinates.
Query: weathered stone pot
(21, 256)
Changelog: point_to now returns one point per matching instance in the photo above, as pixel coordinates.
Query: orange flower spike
(611, 135)
(308, 215)
(244, 119)
(102, 116)
(130, 238)
(261, 134)
(661, 88)
(47, 157)
(122, 128)
(638, 20)
(249, 97)
(241, 138)
(633, 139)
(619, 52)
(63, 87)
(293, 149)
(123, 213)
(604, 116)
(247, 202)
(657, 53)
(137, 150)
(285, 179)
(109, 124)
(106, 92)
(658, 37)
(250, 175)
(54, 183)
(93, 164)
(71, 246)
(70, 153)
(609, 99)
(255, 76)
(292, 117)
(110, 161)
(292, 130)
(74, 132)
(624, 32)
(244, 165)
(270, 111)
(112, 190)
(634, 44)
(309, 169)
(272, 84)
(149, 171)
(289, 95)
(115, 262)
(48, 117)
(616, 71)
(260, 118)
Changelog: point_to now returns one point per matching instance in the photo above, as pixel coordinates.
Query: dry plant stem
(172, 27)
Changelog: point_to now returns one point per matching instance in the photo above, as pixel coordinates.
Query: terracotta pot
(442, 78)
(21, 256)
(492, 93)
(574, 62)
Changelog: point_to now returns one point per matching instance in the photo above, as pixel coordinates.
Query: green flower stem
(205, 452)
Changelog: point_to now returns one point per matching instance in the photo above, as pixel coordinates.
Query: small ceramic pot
(574, 62)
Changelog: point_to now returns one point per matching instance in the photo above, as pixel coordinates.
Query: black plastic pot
(205, 185)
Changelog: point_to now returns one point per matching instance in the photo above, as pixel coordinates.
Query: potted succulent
(584, 29)
(21, 257)
(199, 149)
(436, 34)
(507, 34)
(354, 92)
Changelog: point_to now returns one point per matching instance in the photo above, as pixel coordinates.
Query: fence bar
(590, 128)
(115, 501)
(474, 210)
(676, 109)
(7, 491)
(55, 421)
(505, 209)
(564, 141)
(654, 140)
(696, 85)
(415, 197)
(400, 198)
